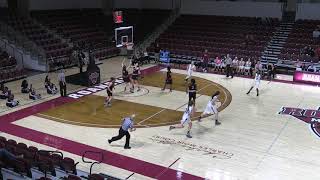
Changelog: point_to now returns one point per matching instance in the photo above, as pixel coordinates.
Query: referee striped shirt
(127, 124)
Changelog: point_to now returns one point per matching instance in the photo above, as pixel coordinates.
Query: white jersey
(187, 115)
(211, 107)
(257, 79)
(190, 69)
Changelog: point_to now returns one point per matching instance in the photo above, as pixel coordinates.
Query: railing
(92, 162)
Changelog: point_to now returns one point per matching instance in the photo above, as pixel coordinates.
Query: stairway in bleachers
(277, 42)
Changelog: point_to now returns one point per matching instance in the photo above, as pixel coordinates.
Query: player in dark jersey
(125, 77)
(168, 80)
(135, 77)
(192, 90)
(110, 89)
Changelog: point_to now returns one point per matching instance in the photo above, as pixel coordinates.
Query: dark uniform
(135, 73)
(125, 76)
(192, 92)
(169, 78)
(110, 89)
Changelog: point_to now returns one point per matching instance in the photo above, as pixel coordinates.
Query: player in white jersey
(186, 118)
(212, 108)
(256, 82)
(190, 69)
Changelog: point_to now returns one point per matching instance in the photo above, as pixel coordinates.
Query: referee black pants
(63, 89)
(120, 136)
(229, 70)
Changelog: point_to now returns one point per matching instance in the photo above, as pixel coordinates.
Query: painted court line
(76, 123)
(151, 116)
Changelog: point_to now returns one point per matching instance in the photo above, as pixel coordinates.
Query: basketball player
(135, 77)
(190, 69)
(186, 118)
(192, 90)
(110, 89)
(168, 80)
(125, 76)
(212, 108)
(256, 82)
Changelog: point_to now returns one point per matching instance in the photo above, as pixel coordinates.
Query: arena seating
(41, 164)
(190, 35)
(86, 28)
(52, 46)
(144, 21)
(300, 37)
(8, 68)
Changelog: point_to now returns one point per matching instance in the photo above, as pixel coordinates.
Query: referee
(62, 83)
(127, 125)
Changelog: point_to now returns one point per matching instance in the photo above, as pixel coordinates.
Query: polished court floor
(254, 141)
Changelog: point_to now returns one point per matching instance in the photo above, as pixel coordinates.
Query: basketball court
(254, 141)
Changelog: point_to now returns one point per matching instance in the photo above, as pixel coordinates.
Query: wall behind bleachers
(229, 8)
(143, 4)
(308, 11)
(64, 4)
(3, 3)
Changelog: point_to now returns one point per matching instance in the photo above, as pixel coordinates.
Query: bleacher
(87, 28)
(8, 68)
(190, 35)
(300, 37)
(144, 21)
(52, 46)
(42, 164)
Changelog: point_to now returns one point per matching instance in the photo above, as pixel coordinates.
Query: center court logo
(215, 153)
(310, 116)
(94, 77)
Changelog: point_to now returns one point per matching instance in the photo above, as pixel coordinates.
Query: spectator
(235, 65)
(25, 87)
(217, 63)
(11, 102)
(247, 67)
(33, 95)
(205, 61)
(47, 81)
(7, 156)
(258, 66)
(316, 33)
(317, 51)
(157, 50)
(252, 67)
(298, 65)
(1, 86)
(52, 89)
(241, 66)
(271, 71)
(5, 93)
(229, 70)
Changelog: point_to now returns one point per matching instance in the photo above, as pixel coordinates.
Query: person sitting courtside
(52, 89)
(47, 82)
(11, 102)
(33, 95)
(5, 93)
(24, 87)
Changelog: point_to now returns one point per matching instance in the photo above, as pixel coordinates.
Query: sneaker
(199, 120)
(189, 136)
(109, 141)
(139, 90)
(171, 127)
(127, 147)
(257, 94)
(218, 123)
